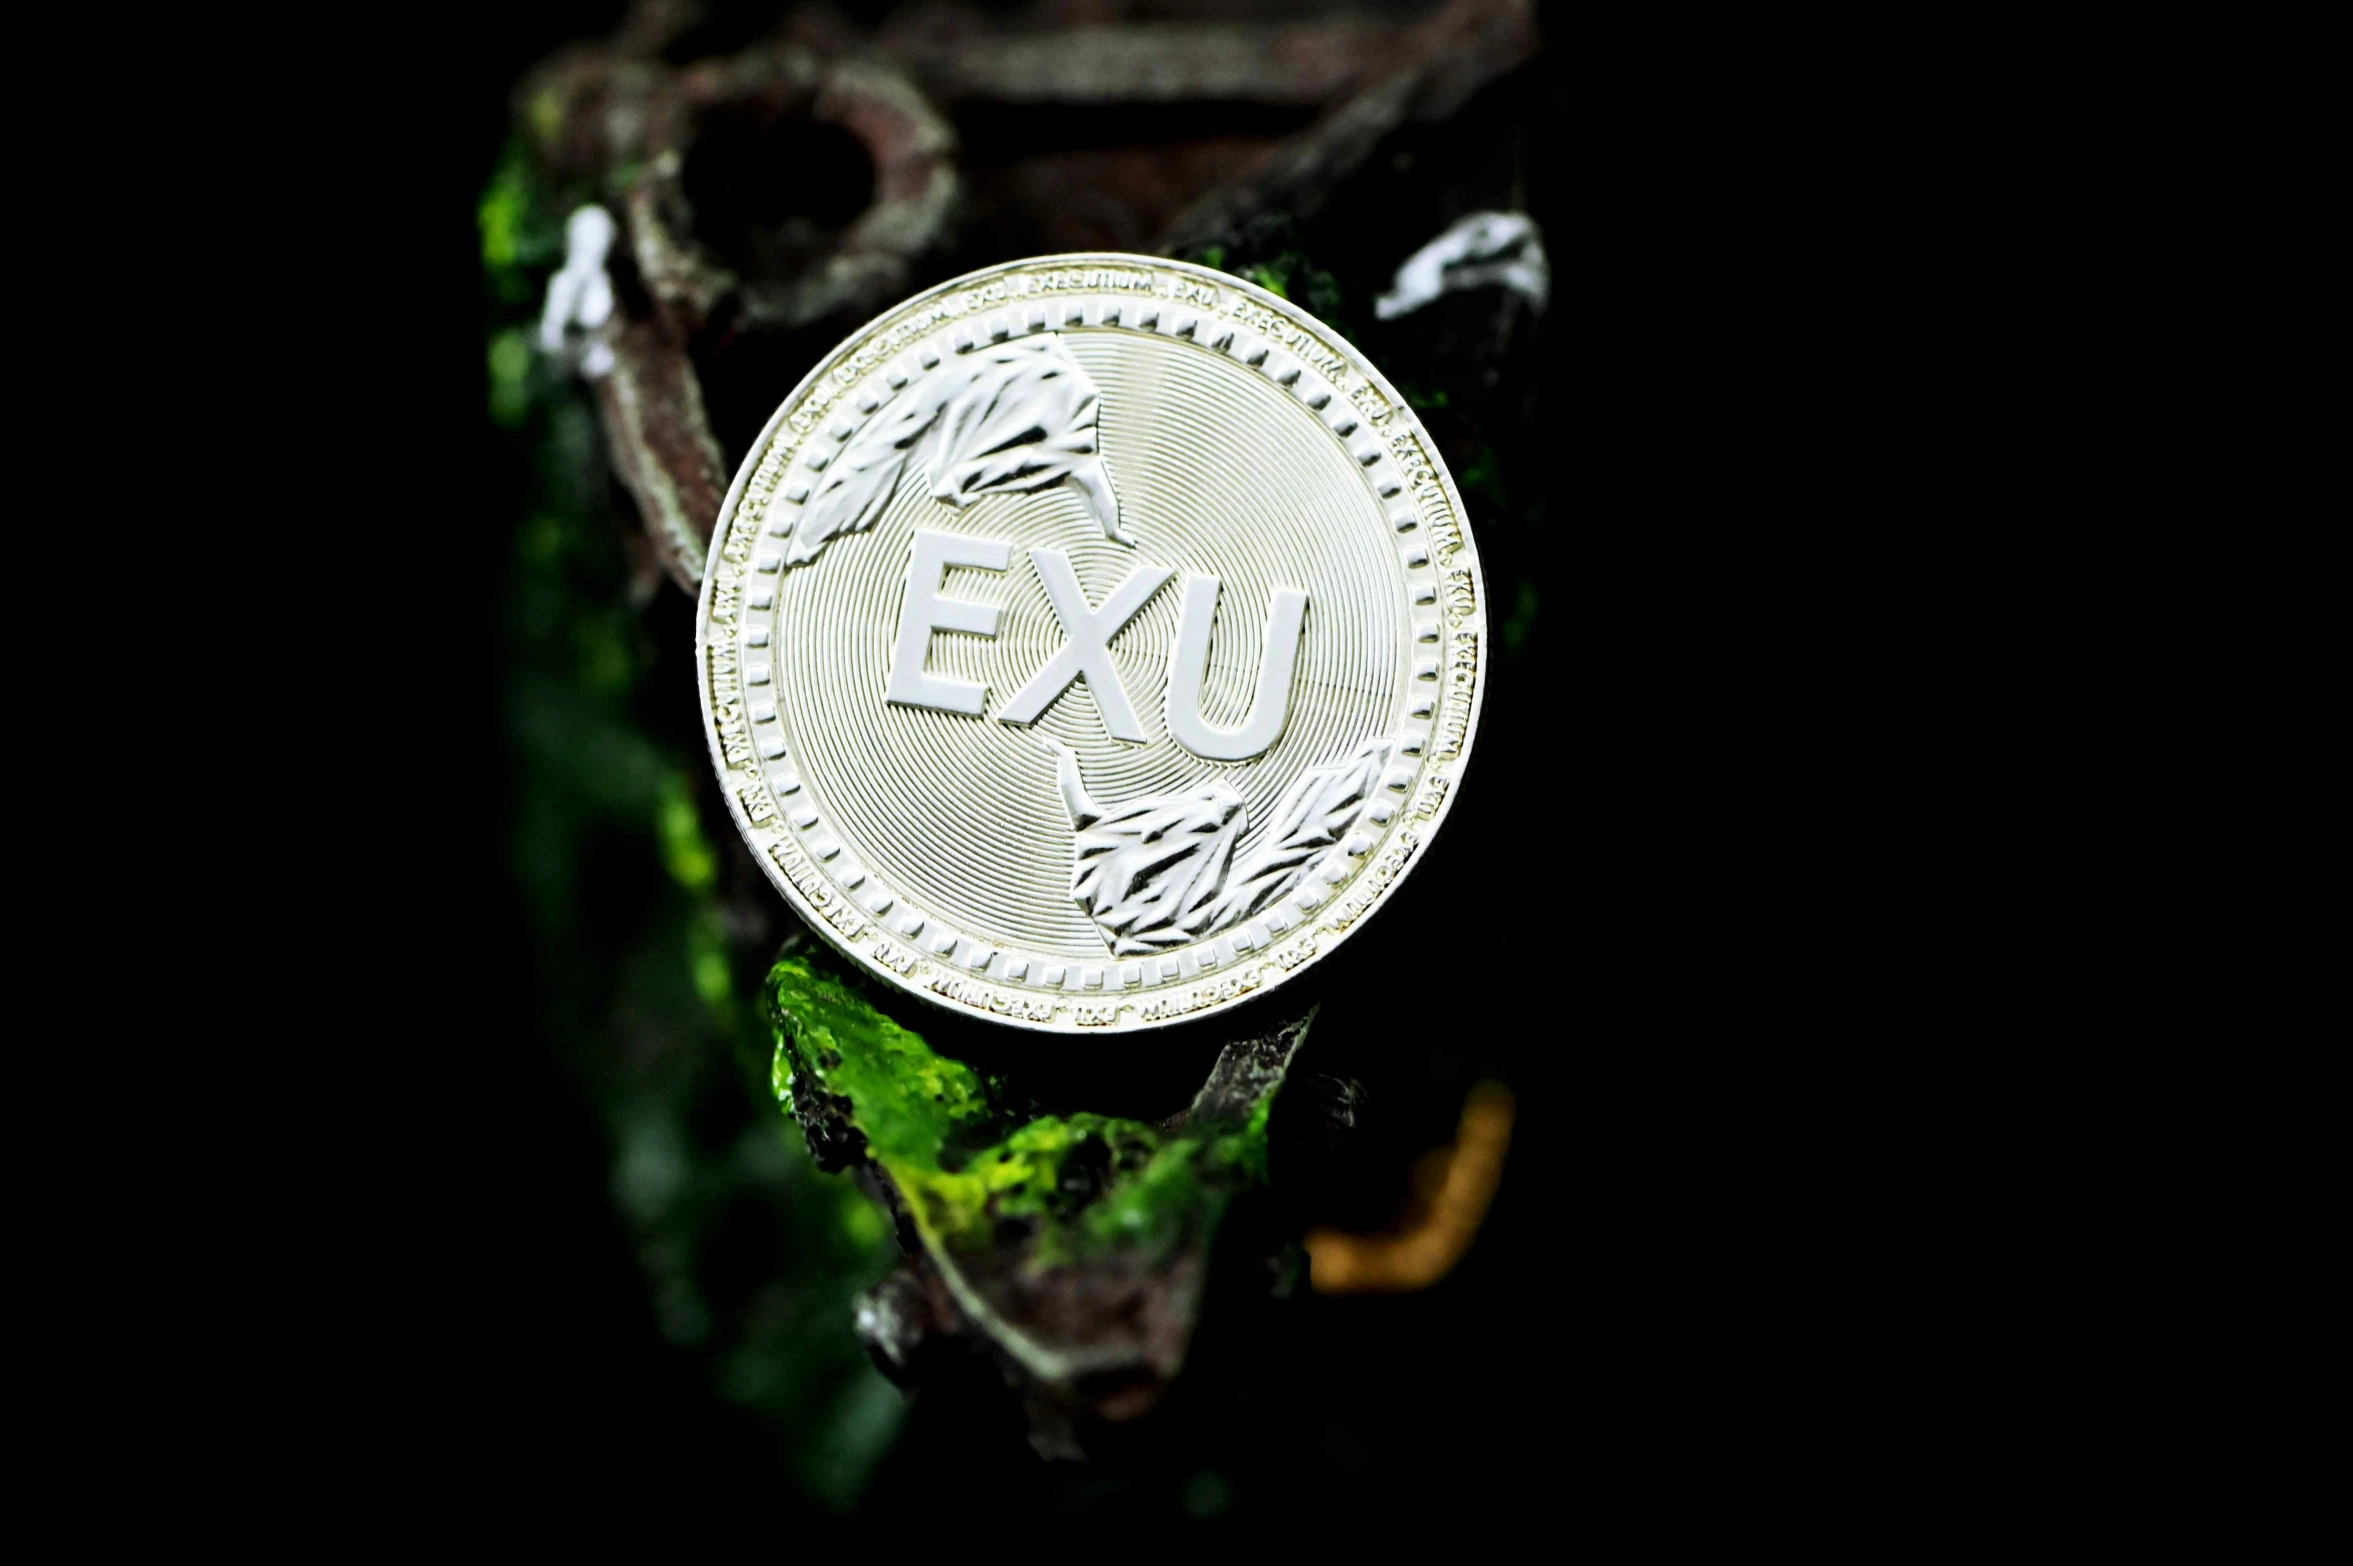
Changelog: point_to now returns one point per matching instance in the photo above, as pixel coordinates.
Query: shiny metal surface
(1090, 643)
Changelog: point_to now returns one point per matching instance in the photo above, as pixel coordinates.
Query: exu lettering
(1087, 630)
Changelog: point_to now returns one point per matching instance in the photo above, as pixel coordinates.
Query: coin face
(1091, 643)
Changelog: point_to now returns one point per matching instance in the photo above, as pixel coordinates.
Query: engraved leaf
(1154, 873)
(1147, 872)
(1314, 815)
(1026, 420)
(1009, 418)
(859, 483)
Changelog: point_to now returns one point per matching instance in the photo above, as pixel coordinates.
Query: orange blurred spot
(1452, 1188)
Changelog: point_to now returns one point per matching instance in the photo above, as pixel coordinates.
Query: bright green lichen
(974, 1173)
(912, 1104)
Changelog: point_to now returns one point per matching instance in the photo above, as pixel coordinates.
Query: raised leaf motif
(1158, 872)
(1147, 871)
(1318, 810)
(1012, 417)
(859, 483)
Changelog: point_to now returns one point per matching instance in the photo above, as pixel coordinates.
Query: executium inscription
(1080, 637)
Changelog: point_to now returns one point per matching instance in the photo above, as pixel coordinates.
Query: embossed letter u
(1188, 661)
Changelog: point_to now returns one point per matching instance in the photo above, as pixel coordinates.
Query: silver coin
(1091, 643)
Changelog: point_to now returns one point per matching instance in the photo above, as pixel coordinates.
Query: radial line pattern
(1217, 470)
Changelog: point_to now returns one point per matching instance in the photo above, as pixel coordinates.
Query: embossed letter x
(1088, 649)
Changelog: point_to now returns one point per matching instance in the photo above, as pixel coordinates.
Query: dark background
(1689, 1297)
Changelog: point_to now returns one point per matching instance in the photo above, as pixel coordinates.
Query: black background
(1706, 1294)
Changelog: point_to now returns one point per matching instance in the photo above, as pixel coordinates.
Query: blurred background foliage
(749, 1256)
(649, 931)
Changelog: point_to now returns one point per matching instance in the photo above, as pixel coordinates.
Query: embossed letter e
(924, 611)
(1188, 661)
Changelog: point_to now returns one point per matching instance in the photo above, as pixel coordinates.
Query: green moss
(751, 1256)
(1288, 274)
(912, 1105)
(1153, 1209)
(976, 1175)
(708, 961)
(863, 1223)
(686, 853)
(1268, 254)
(499, 218)
(522, 232)
(510, 377)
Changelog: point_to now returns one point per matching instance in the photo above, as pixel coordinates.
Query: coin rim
(1327, 940)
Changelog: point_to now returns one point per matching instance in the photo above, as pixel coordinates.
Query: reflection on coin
(1090, 643)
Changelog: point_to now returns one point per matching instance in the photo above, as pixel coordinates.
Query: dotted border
(924, 953)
